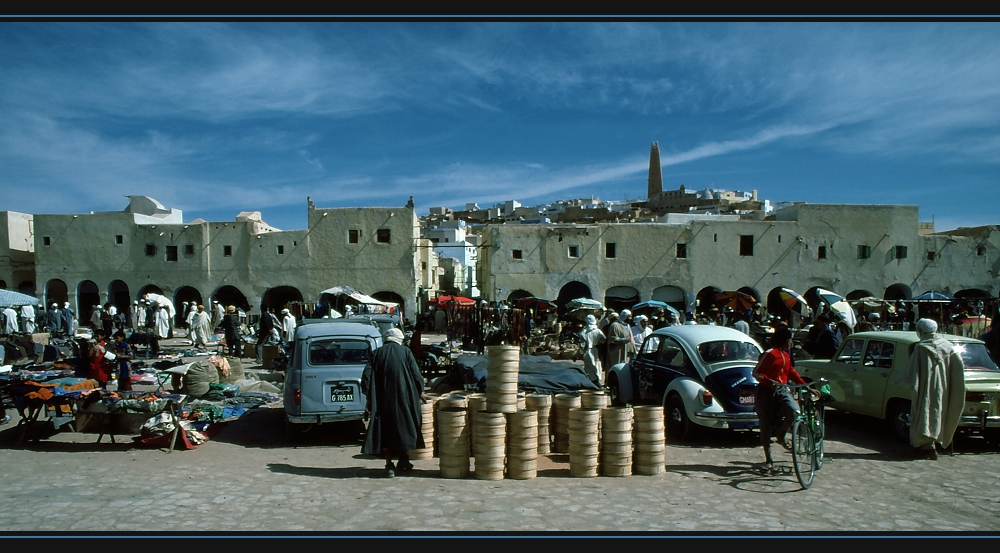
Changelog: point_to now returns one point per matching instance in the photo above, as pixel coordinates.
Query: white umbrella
(161, 300)
(838, 305)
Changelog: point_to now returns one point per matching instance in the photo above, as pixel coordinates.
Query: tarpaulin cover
(10, 298)
(536, 373)
(352, 293)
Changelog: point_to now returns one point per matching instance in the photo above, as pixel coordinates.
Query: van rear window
(339, 352)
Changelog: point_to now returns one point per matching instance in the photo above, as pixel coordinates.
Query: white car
(699, 373)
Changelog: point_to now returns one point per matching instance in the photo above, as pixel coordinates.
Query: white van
(323, 379)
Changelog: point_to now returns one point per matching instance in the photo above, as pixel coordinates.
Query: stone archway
(183, 295)
(898, 292)
(118, 295)
(569, 292)
(281, 297)
(858, 294)
(56, 292)
(673, 296)
(149, 289)
(621, 297)
(706, 298)
(88, 296)
(231, 295)
(518, 294)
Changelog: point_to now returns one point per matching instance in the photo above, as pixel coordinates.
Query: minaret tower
(655, 175)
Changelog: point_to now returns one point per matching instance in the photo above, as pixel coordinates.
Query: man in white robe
(10, 321)
(28, 318)
(201, 327)
(189, 319)
(288, 325)
(162, 322)
(592, 339)
(937, 375)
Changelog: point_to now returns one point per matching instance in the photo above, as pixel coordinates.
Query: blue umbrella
(10, 298)
(934, 296)
(641, 307)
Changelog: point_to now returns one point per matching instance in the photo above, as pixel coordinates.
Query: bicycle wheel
(820, 435)
(803, 453)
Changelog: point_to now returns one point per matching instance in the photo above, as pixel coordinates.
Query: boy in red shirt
(775, 407)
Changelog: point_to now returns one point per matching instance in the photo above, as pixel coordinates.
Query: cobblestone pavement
(250, 478)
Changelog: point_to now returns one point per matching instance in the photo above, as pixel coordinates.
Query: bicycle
(808, 430)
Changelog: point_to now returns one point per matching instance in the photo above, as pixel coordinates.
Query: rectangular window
(682, 251)
(779, 238)
(119, 239)
(188, 249)
(423, 265)
(171, 253)
(931, 256)
(46, 241)
(574, 251)
(715, 238)
(821, 252)
(515, 254)
(746, 244)
(864, 251)
(899, 252)
(281, 250)
(150, 250)
(383, 235)
(227, 251)
(609, 250)
(352, 236)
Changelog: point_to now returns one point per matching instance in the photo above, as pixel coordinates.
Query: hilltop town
(673, 246)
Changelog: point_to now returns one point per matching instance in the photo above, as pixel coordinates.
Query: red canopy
(448, 300)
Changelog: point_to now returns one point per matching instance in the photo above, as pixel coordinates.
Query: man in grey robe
(620, 346)
(937, 375)
(394, 390)
(54, 320)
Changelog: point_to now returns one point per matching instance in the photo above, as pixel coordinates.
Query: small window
(682, 251)
(899, 252)
(931, 256)
(352, 236)
(119, 239)
(980, 250)
(609, 250)
(150, 250)
(515, 254)
(574, 251)
(46, 241)
(864, 251)
(821, 252)
(281, 250)
(383, 235)
(188, 249)
(715, 238)
(171, 253)
(746, 244)
(227, 251)
(779, 238)
(423, 265)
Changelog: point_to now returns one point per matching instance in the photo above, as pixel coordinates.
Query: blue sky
(215, 118)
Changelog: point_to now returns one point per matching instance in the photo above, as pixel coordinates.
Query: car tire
(293, 432)
(615, 391)
(679, 426)
(899, 420)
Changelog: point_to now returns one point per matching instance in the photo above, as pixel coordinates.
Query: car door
(840, 372)
(672, 362)
(644, 365)
(871, 377)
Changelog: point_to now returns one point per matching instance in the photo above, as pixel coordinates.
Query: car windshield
(727, 350)
(339, 352)
(975, 356)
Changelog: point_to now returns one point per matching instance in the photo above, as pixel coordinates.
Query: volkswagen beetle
(699, 373)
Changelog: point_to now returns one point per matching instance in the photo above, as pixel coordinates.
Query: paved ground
(250, 479)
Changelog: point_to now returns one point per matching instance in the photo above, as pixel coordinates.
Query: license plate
(342, 394)
(747, 395)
